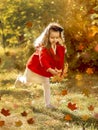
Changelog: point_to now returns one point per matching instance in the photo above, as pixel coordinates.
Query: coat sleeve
(44, 59)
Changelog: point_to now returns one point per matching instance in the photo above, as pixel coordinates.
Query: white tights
(30, 77)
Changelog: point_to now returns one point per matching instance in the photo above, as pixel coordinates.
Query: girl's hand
(52, 71)
(59, 71)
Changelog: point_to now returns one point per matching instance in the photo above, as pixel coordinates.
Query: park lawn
(23, 108)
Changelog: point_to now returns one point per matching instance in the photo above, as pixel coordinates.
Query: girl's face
(54, 37)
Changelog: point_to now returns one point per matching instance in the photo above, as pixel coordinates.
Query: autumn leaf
(18, 123)
(86, 92)
(68, 117)
(80, 47)
(24, 113)
(89, 71)
(91, 108)
(72, 106)
(61, 75)
(85, 117)
(5, 112)
(2, 123)
(15, 106)
(29, 24)
(79, 77)
(30, 121)
(64, 92)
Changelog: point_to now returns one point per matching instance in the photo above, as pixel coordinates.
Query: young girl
(46, 61)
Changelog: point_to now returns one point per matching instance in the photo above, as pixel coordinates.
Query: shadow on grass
(56, 114)
(19, 94)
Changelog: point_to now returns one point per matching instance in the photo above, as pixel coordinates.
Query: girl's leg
(30, 77)
(46, 87)
(24, 79)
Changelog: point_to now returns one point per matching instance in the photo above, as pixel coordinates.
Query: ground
(23, 108)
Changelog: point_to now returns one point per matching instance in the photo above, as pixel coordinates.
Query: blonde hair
(43, 39)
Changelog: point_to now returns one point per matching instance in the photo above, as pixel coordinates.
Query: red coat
(45, 58)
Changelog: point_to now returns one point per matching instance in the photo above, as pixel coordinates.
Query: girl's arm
(52, 71)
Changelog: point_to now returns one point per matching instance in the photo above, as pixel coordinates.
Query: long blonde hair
(43, 39)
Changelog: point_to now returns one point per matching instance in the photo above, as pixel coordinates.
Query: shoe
(18, 83)
(50, 106)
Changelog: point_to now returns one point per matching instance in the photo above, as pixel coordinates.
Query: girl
(46, 61)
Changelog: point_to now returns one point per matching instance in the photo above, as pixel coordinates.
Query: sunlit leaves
(61, 74)
(96, 48)
(92, 31)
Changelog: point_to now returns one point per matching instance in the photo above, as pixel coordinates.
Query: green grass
(31, 101)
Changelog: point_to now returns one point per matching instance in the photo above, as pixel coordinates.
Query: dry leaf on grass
(5, 112)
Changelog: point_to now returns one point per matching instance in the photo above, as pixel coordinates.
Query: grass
(82, 91)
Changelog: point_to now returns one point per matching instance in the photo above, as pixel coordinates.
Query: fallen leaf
(15, 106)
(96, 115)
(72, 106)
(85, 117)
(5, 112)
(2, 123)
(18, 123)
(64, 92)
(29, 24)
(89, 71)
(24, 113)
(91, 108)
(86, 92)
(68, 117)
(79, 77)
(30, 121)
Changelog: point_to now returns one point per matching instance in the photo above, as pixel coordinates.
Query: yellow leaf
(85, 117)
(86, 91)
(18, 123)
(79, 77)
